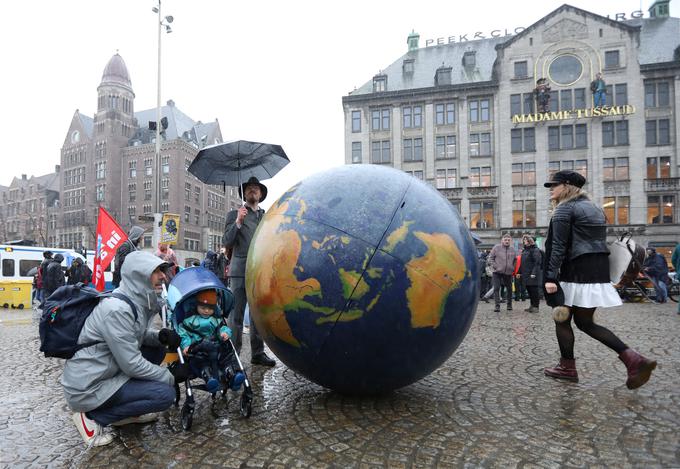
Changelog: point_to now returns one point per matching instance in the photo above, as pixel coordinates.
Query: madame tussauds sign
(603, 111)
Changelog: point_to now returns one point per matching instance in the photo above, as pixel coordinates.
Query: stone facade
(465, 118)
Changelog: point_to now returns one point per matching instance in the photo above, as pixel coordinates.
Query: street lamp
(163, 23)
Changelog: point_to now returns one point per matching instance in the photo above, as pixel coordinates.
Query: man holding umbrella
(240, 228)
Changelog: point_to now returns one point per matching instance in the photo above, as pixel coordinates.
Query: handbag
(625, 260)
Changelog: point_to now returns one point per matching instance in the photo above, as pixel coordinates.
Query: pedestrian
(119, 381)
(502, 260)
(520, 291)
(222, 267)
(656, 268)
(576, 276)
(166, 253)
(238, 233)
(675, 260)
(209, 261)
(484, 275)
(79, 272)
(530, 271)
(40, 281)
(131, 244)
(54, 275)
(599, 89)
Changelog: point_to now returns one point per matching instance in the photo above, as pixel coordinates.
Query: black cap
(566, 177)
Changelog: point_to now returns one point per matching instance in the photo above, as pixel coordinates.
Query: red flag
(109, 237)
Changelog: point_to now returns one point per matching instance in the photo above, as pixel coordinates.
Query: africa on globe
(362, 278)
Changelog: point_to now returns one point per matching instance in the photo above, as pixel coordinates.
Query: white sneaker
(91, 431)
(146, 418)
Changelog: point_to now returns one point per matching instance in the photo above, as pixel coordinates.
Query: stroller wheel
(187, 417)
(246, 405)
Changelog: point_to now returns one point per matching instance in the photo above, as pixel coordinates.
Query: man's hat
(253, 180)
(47, 254)
(566, 177)
(207, 298)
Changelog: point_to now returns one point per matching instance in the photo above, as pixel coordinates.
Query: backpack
(64, 316)
(625, 260)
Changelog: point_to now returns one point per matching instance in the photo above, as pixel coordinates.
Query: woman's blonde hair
(570, 193)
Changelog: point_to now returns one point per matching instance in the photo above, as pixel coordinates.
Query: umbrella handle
(240, 189)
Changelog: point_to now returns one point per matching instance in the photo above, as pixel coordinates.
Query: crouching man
(118, 381)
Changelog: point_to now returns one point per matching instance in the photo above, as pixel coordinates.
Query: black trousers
(505, 280)
(533, 294)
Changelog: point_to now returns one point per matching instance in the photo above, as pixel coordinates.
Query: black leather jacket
(577, 227)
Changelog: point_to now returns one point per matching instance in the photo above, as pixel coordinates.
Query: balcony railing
(452, 192)
(662, 184)
(483, 191)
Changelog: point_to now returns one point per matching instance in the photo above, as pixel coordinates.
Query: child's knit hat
(207, 297)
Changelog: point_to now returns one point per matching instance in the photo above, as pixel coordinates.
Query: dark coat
(79, 273)
(239, 239)
(126, 248)
(54, 276)
(531, 266)
(577, 227)
(656, 266)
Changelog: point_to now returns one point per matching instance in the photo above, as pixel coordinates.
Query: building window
(413, 117)
(132, 190)
(442, 76)
(165, 188)
(565, 137)
(100, 170)
(521, 69)
(197, 217)
(356, 152)
(617, 95)
(615, 169)
(580, 166)
(657, 94)
(481, 215)
(522, 140)
(165, 164)
(147, 190)
(413, 149)
(659, 167)
(566, 103)
(381, 152)
(197, 194)
(132, 211)
(658, 132)
(524, 174)
(611, 59)
(480, 144)
(379, 83)
(356, 121)
(660, 209)
(614, 133)
(521, 103)
(148, 166)
(380, 119)
(480, 176)
(408, 66)
(446, 179)
(187, 191)
(165, 207)
(479, 110)
(416, 174)
(524, 213)
(100, 189)
(445, 113)
(616, 210)
(445, 147)
(187, 213)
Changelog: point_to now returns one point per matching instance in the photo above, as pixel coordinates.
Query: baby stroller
(180, 299)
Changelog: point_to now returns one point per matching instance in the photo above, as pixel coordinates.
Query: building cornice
(421, 92)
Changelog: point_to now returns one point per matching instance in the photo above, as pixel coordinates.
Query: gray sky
(272, 71)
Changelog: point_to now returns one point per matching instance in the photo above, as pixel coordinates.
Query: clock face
(75, 136)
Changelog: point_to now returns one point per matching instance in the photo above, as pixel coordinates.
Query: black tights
(583, 318)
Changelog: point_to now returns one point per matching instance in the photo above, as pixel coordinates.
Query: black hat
(47, 254)
(253, 180)
(566, 177)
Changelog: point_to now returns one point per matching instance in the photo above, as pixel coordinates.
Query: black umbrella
(230, 163)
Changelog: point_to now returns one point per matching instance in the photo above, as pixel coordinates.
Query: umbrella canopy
(234, 162)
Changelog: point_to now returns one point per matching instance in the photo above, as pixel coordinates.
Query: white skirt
(590, 295)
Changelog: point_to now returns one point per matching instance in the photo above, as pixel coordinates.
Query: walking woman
(530, 269)
(577, 265)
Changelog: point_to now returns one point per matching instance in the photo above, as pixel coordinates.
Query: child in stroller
(204, 342)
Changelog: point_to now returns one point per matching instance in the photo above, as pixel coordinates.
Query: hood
(135, 233)
(58, 258)
(210, 254)
(135, 280)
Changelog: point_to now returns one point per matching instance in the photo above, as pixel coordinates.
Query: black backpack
(64, 315)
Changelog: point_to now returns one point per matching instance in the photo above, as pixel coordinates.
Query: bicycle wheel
(674, 292)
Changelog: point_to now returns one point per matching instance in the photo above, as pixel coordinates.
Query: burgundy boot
(639, 368)
(565, 369)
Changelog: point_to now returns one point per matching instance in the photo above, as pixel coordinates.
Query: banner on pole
(169, 228)
(109, 238)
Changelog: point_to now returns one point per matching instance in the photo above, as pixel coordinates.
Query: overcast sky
(271, 71)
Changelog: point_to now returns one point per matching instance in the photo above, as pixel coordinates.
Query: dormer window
(443, 76)
(379, 83)
(408, 66)
(469, 59)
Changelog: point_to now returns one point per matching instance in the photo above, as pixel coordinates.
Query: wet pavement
(489, 405)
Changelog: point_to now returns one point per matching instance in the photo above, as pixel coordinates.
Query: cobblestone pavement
(489, 405)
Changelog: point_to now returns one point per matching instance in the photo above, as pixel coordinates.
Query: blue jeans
(661, 289)
(137, 396)
(600, 98)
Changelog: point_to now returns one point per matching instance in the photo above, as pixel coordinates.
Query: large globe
(362, 279)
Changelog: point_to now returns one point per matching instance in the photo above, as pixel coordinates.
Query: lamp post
(163, 22)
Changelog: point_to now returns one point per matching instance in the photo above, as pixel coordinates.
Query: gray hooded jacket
(95, 373)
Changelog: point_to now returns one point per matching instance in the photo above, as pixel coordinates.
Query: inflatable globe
(362, 278)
